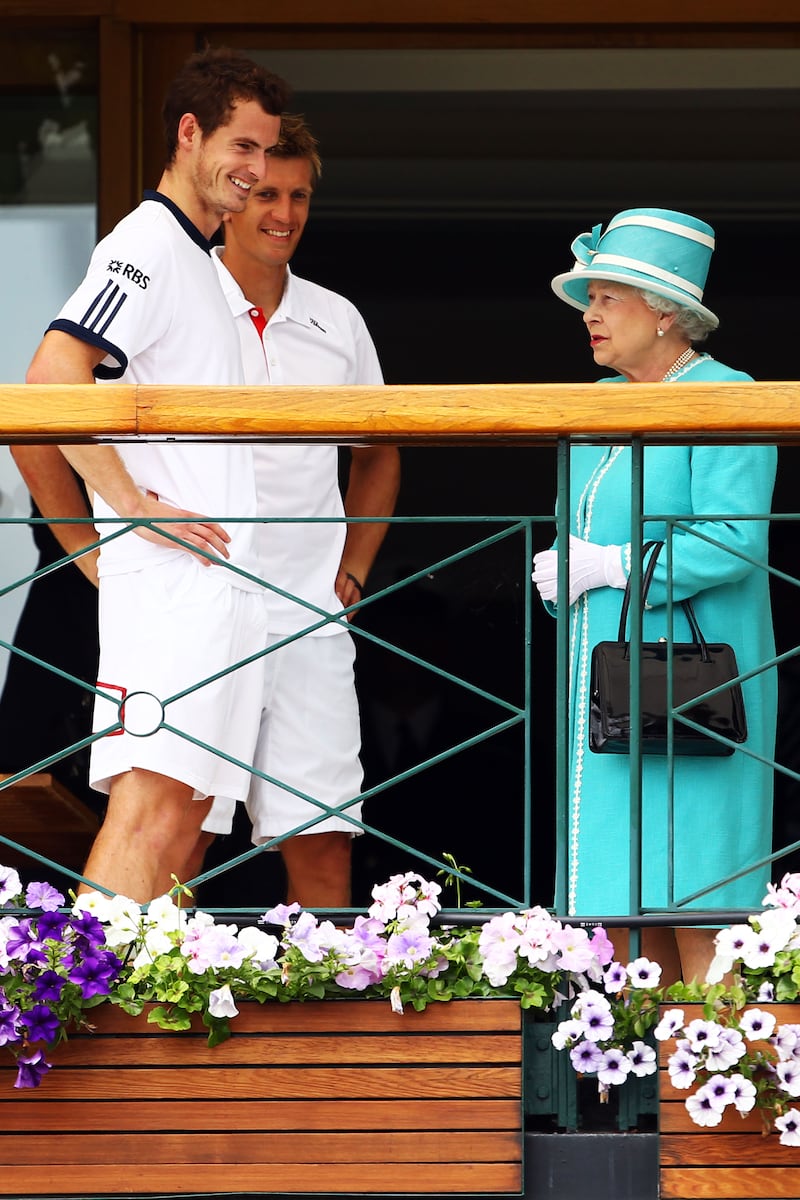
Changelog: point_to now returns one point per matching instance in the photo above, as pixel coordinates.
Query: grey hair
(695, 325)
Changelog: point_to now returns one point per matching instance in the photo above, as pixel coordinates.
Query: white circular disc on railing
(142, 714)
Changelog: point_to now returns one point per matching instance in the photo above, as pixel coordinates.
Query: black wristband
(357, 582)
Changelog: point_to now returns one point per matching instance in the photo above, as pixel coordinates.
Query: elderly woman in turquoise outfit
(639, 284)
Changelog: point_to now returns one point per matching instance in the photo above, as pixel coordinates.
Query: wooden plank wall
(337, 1097)
(730, 1161)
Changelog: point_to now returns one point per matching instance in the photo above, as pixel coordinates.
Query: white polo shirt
(151, 300)
(315, 337)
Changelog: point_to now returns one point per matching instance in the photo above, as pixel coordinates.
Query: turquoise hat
(655, 249)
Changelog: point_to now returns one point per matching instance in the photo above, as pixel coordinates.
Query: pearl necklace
(681, 361)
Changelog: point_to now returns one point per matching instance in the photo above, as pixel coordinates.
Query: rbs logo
(128, 271)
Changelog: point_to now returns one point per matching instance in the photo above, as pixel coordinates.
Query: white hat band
(644, 268)
(684, 231)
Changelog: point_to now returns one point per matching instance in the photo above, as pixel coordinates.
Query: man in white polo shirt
(295, 332)
(171, 616)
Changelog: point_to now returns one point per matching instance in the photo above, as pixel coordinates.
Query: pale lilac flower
(766, 993)
(361, 971)
(43, 896)
(497, 944)
(586, 1058)
(427, 897)
(602, 946)
(304, 934)
(221, 1002)
(756, 1024)
(535, 930)
(10, 884)
(642, 1059)
(614, 978)
(404, 896)
(210, 947)
(574, 948)
(744, 1093)
(671, 1023)
(281, 914)
(615, 1067)
(785, 896)
(788, 1073)
(368, 930)
(681, 1068)
(789, 1127)
(643, 973)
(701, 1034)
(408, 948)
(701, 1109)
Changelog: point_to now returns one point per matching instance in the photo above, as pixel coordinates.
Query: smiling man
(150, 310)
(296, 332)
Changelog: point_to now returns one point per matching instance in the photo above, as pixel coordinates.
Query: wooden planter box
(729, 1161)
(334, 1097)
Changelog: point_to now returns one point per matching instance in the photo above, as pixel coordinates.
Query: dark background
(444, 217)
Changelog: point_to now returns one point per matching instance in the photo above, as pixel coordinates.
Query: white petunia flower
(221, 1003)
(789, 1127)
(642, 1059)
(757, 1024)
(701, 1110)
(670, 1024)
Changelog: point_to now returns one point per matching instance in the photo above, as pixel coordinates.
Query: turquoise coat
(722, 806)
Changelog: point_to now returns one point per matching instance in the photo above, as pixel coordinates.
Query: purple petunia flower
(19, 940)
(52, 925)
(88, 928)
(48, 987)
(41, 1023)
(31, 1068)
(94, 976)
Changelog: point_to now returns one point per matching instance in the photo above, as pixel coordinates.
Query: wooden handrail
(534, 414)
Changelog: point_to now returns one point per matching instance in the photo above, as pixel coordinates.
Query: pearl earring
(660, 332)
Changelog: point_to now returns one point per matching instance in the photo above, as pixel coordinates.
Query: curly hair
(695, 325)
(210, 83)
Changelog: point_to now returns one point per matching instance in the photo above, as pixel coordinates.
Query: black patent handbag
(697, 668)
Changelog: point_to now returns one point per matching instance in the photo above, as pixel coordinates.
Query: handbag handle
(654, 549)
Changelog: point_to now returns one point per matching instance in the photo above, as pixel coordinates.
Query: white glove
(590, 566)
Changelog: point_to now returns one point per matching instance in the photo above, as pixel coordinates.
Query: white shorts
(162, 630)
(310, 739)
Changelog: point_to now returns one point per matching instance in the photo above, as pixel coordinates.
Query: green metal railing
(510, 714)
(759, 415)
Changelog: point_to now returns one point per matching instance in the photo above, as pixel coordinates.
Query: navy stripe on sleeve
(104, 308)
